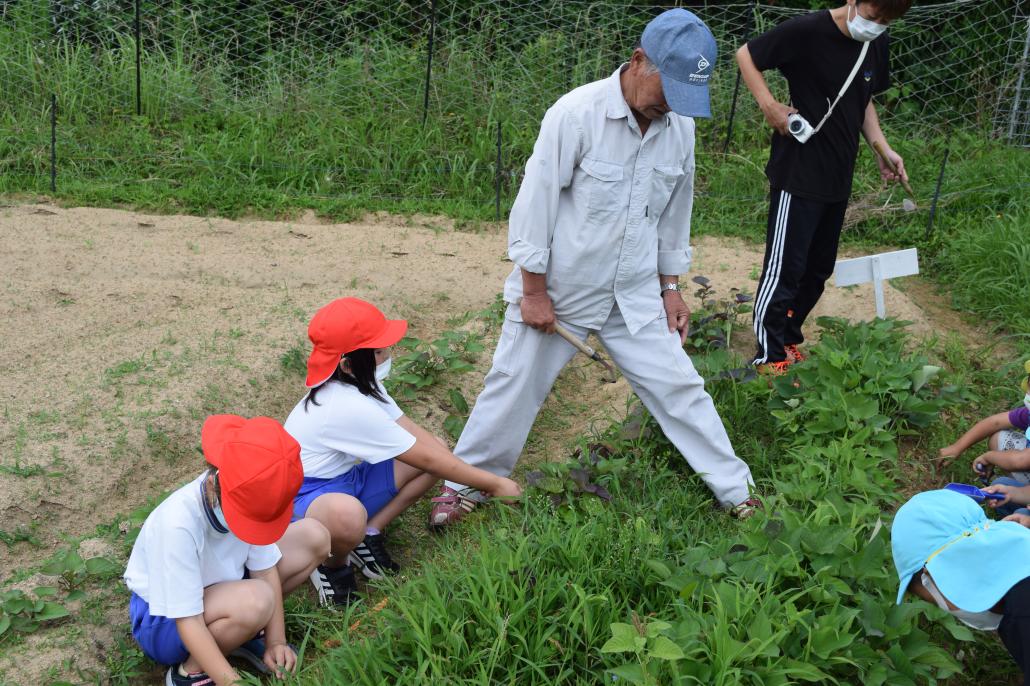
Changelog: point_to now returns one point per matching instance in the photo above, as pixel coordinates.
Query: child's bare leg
(235, 611)
(412, 483)
(304, 546)
(345, 518)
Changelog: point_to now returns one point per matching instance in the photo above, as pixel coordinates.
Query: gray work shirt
(602, 211)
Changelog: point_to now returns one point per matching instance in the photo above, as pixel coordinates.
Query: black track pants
(800, 253)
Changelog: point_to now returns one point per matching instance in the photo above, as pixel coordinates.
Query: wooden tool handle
(571, 338)
(890, 165)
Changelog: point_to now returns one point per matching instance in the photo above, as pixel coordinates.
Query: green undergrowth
(989, 273)
(656, 586)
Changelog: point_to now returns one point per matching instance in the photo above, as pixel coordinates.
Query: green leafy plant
(425, 364)
(74, 571)
(455, 421)
(585, 474)
(24, 614)
(644, 640)
(711, 326)
(294, 361)
(19, 535)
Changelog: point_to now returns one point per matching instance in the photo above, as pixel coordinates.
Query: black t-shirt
(816, 57)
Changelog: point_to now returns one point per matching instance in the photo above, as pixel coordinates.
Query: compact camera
(799, 127)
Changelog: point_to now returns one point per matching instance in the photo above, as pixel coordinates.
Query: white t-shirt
(346, 428)
(178, 554)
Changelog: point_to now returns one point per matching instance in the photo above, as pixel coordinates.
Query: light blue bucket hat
(973, 560)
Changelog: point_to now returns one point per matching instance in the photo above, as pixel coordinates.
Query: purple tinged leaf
(580, 477)
(701, 281)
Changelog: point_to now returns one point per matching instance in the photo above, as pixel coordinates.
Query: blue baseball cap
(684, 50)
(973, 560)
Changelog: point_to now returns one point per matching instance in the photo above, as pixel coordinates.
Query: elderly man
(599, 234)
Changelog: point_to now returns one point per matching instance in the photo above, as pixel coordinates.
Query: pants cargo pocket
(508, 347)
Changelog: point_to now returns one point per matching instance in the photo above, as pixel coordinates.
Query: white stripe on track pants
(527, 362)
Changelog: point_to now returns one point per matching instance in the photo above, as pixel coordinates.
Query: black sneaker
(253, 652)
(335, 585)
(371, 557)
(173, 678)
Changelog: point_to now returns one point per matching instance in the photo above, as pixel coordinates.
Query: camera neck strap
(851, 77)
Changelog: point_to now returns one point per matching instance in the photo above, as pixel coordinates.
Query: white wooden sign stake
(876, 268)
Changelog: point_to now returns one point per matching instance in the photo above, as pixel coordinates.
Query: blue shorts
(157, 636)
(372, 484)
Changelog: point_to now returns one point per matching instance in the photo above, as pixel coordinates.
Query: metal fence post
(1017, 99)
(936, 195)
(736, 87)
(53, 143)
(497, 177)
(139, 92)
(429, 62)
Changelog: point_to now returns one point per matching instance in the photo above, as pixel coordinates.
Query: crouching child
(1007, 446)
(213, 561)
(948, 553)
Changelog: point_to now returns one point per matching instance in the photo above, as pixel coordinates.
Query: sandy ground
(121, 331)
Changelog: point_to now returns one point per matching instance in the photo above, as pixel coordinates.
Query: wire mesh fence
(1013, 118)
(411, 99)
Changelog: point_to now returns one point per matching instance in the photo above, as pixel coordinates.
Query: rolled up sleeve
(674, 251)
(548, 171)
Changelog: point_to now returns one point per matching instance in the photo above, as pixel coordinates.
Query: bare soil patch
(122, 331)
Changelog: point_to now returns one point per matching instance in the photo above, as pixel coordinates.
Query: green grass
(340, 132)
(658, 587)
(989, 269)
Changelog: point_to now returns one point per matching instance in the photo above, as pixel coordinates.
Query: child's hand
(999, 488)
(279, 656)
(982, 465)
(506, 489)
(950, 452)
(1018, 519)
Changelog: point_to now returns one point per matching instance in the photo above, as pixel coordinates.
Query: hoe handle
(578, 344)
(890, 164)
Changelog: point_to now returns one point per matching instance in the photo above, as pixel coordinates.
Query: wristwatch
(670, 286)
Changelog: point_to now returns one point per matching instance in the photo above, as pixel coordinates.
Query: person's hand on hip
(538, 311)
(776, 114)
(677, 313)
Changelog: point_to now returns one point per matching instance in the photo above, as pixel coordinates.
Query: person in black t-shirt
(811, 181)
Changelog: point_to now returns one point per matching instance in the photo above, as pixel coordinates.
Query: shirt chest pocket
(663, 182)
(603, 187)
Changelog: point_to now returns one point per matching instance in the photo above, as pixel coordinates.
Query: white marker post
(876, 268)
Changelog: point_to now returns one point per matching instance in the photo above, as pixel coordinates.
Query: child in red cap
(213, 561)
(364, 461)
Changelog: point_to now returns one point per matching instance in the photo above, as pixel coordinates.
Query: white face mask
(862, 29)
(217, 511)
(982, 621)
(383, 370)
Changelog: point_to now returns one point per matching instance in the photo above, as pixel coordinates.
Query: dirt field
(122, 331)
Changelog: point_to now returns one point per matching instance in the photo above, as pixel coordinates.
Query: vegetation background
(269, 109)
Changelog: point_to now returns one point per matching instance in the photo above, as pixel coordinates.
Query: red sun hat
(344, 325)
(259, 472)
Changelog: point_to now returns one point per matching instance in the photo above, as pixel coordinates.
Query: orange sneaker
(794, 353)
(773, 368)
